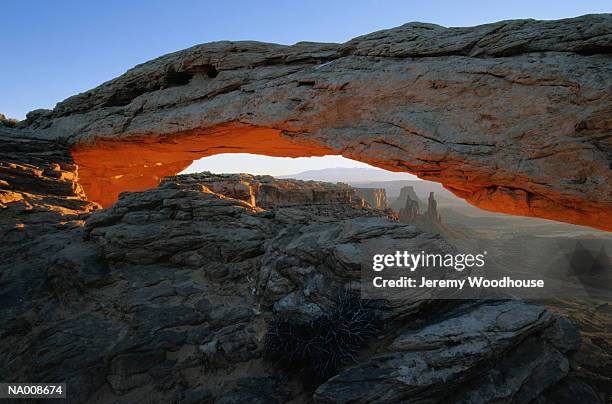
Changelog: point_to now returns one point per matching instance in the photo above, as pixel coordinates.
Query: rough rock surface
(168, 296)
(513, 116)
(38, 186)
(436, 360)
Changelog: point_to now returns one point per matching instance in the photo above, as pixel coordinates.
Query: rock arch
(506, 117)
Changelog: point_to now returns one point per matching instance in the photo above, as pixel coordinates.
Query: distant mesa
(406, 192)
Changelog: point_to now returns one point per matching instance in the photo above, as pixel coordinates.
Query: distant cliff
(375, 197)
(405, 193)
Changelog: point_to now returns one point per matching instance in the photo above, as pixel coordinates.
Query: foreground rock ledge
(514, 116)
(168, 297)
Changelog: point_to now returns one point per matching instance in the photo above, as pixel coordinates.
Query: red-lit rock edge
(109, 167)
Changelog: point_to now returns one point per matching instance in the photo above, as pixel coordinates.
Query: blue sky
(54, 49)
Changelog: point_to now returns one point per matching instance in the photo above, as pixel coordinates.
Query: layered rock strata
(265, 191)
(38, 186)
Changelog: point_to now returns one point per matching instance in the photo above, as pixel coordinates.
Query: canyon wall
(513, 116)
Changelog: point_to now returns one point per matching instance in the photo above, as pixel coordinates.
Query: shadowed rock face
(512, 116)
(169, 295)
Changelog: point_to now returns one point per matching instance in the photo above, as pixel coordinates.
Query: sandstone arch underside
(514, 116)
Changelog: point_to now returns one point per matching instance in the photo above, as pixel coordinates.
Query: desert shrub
(317, 348)
(10, 122)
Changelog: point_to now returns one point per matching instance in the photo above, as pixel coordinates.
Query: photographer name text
(472, 282)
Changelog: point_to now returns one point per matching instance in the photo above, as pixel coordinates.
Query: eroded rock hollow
(514, 116)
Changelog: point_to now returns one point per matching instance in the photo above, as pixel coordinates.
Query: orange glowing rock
(109, 167)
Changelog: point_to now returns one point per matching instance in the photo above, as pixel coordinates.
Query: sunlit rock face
(375, 197)
(39, 191)
(513, 116)
(264, 191)
(109, 167)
